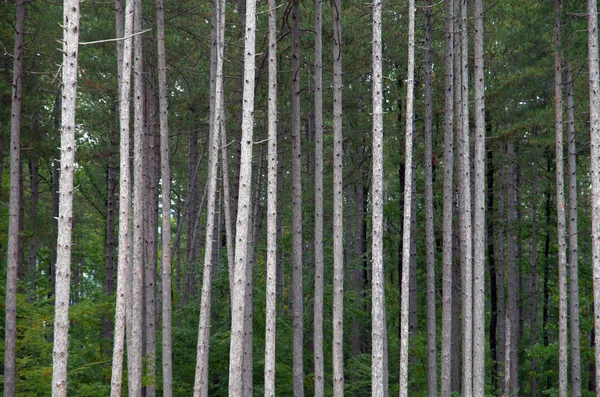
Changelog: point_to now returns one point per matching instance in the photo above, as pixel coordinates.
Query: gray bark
(410, 85)
(201, 378)
(34, 177)
(466, 231)
(319, 260)
(592, 17)
(271, 278)
(533, 258)
(134, 349)
(479, 210)
(446, 358)
(573, 243)
(65, 206)
(429, 230)
(163, 99)
(338, 198)
(379, 369)
(297, 242)
(13, 212)
(124, 244)
(560, 209)
(511, 368)
(243, 215)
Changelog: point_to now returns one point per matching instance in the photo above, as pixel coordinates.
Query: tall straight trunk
(429, 233)
(13, 212)
(410, 85)
(238, 304)
(65, 210)
(111, 193)
(134, 350)
(533, 289)
(201, 378)
(319, 261)
(493, 330)
(546, 287)
(479, 210)
(458, 253)
(163, 99)
(297, 264)
(466, 231)
(499, 225)
(573, 243)
(34, 178)
(592, 16)
(226, 197)
(338, 198)
(560, 209)
(124, 247)
(448, 205)
(379, 368)
(271, 287)
(512, 310)
(150, 234)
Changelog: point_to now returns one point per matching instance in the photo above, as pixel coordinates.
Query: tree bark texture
(134, 351)
(379, 369)
(13, 212)
(124, 244)
(338, 198)
(479, 209)
(297, 264)
(560, 208)
(592, 17)
(65, 209)
(446, 357)
(429, 228)
(319, 256)
(271, 278)
(243, 207)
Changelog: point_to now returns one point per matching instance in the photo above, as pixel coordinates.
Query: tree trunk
(319, 261)
(338, 198)
(466, 231)
(448, 205)
(65, 209)
(592, 15)
(243, 215)
(410, 85)
(429, 230)
(163, 98)
(512, 309)
(379, 369)
(501, 273)
(493, 327)
(134, 350)
(124, 248)
(479, 210)
(201, 378)
(573, 243)
(34, 177)
(297, 264)
(14, 204)
(533, 284)
(271, 279)
(560, 209)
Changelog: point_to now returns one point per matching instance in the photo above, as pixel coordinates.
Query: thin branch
(117, 39)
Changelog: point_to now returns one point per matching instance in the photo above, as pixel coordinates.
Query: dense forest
(270, 197)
